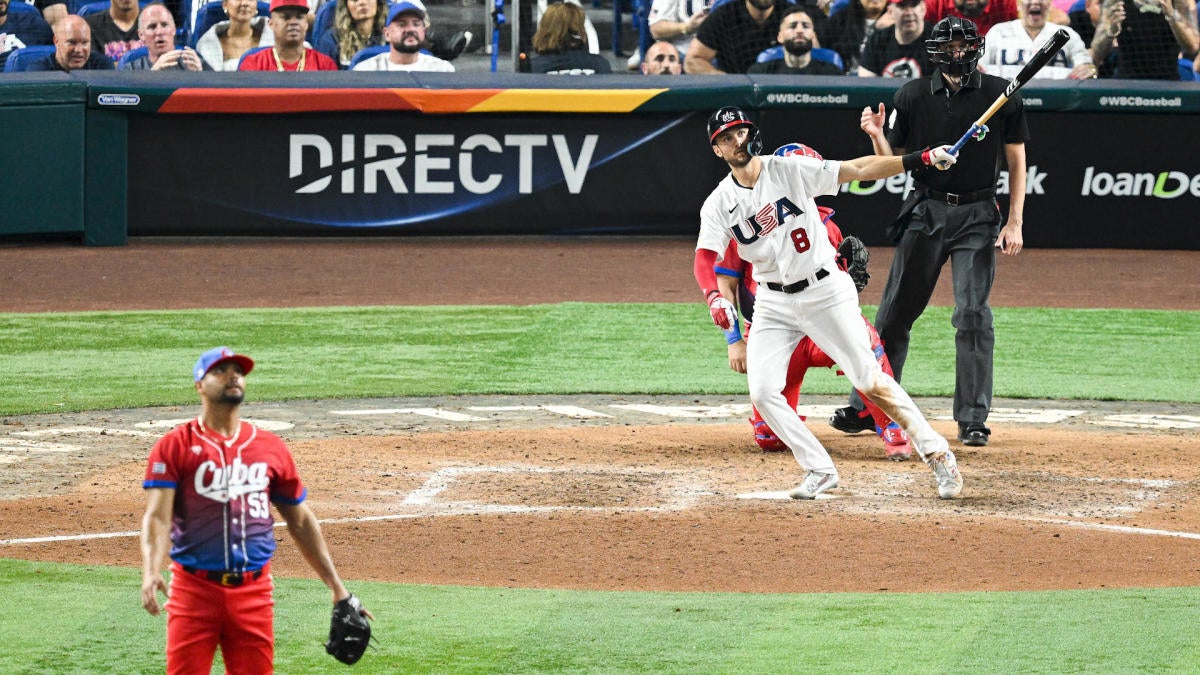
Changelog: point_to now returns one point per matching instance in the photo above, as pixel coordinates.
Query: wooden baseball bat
(1040, 59)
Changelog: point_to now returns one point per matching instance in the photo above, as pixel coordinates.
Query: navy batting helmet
(948, 30)
(731, 117)
(801, 149)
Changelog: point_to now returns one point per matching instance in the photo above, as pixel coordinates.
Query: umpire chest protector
(928, 113)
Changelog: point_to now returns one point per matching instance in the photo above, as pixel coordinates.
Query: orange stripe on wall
(261, 100)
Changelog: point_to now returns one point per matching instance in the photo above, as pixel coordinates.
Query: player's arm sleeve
(831, 228)
(824, 180)
(286, 486)
(161, 471)
(731, 264)
(702, 269)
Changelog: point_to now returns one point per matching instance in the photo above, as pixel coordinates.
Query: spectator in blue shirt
(72, 48)
(21, 29)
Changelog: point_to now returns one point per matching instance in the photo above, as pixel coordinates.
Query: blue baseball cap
(399, 8)
(217, 355)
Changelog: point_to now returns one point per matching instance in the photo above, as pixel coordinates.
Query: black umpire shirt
(926, 114)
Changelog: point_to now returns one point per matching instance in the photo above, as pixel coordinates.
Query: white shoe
(814, 484)
(945, 470)
(635, 60)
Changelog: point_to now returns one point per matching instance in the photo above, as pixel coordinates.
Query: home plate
(779, 495)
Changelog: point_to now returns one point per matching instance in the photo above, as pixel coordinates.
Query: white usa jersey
(776, 222)
(1008, 48)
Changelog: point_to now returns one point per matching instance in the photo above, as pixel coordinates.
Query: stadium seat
(19, 59)
(366, 53)
(212, 13)
(94, 8)
(837, 6)
(19, 7)
(255, 50)
(131, 55)
(323, 21)
(639, 15)
(818, 54)
(1186, 73)
(97, 7)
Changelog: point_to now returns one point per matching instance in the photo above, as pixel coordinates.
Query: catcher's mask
(948, 30)
(797, 149)
(730, 117)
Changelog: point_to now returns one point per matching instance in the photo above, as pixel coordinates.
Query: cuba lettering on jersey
(223, 490)
(776, 223)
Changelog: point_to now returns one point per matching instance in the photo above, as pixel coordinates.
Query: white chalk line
(683, 496)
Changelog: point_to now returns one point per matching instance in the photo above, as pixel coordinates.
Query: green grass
(84, 361)
(58, 362)
(101, 628)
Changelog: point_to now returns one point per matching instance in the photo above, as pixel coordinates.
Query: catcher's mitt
(853, 256)
(349, 631)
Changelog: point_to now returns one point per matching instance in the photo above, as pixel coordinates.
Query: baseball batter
(210, 484)
(766, 204)
(738, 286)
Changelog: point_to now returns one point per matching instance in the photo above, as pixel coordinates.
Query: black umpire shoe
(852, 420)
(973, 434)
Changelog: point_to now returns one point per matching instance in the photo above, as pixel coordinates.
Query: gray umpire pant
(965, 235)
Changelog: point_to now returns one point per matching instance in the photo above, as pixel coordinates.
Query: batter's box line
(682, 495)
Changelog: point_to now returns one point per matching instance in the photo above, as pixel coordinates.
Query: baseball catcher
(349, 631)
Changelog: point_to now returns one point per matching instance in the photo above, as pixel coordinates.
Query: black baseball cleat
(973, 434)
(851, 420)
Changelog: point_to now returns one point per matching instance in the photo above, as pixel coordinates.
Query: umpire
(950, 215)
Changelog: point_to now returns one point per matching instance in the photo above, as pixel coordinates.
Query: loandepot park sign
(1162, 185)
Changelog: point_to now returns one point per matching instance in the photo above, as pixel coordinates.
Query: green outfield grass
(423, 629)
(59, 362)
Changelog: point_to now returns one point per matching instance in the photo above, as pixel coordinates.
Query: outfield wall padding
(1111, 162)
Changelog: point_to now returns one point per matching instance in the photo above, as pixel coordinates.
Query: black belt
(226, 577)
(799, 285)
(954, 199)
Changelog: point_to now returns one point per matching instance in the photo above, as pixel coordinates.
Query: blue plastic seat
(19, 7)
(94, 8)
(131, 55)
(366, 53)
(212, 14)
(253, 50)
(1186, 73)
(97, 7)
(818, 54)
(323, 21)
(19, 59)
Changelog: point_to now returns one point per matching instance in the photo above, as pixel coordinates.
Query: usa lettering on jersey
(762, 223)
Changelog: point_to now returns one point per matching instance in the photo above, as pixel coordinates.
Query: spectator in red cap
(289, 23)
(983, 13)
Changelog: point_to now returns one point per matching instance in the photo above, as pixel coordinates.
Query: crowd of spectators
(1134, 39)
